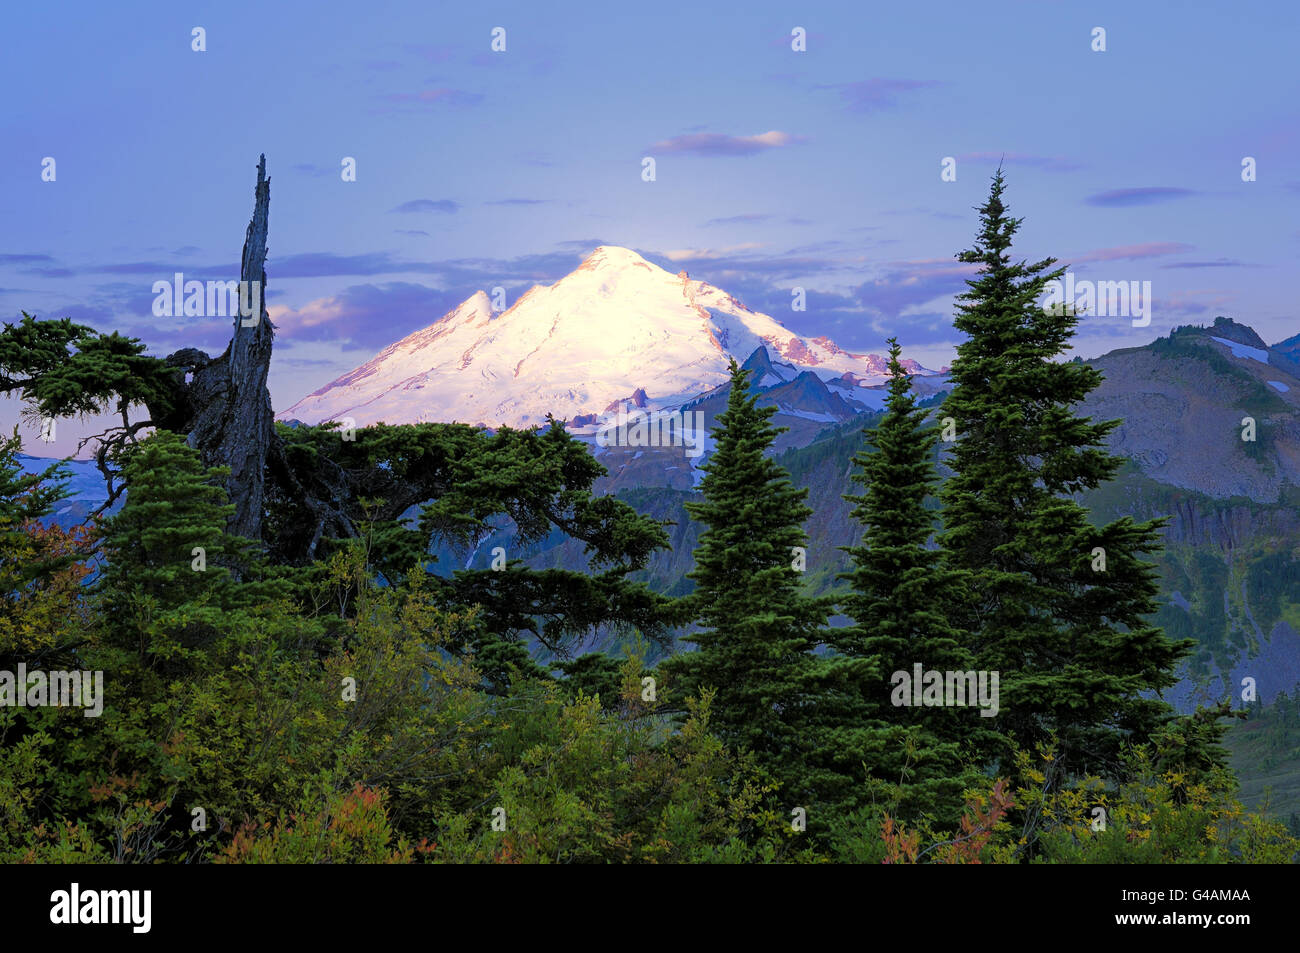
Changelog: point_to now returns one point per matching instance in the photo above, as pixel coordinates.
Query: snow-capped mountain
(615, 326)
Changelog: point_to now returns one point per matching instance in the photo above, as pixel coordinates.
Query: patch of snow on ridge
(1244, 350)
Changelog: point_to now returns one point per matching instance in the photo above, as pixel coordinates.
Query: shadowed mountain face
(1286, 355)
(1212, 432)
(1184, 400)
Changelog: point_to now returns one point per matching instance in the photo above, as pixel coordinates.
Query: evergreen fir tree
(1058, 606)
(899, 594)
(167, 586)
(759, 627)
(900, 598)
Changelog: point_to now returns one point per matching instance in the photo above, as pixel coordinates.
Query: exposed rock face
(1182, 414)
(1232, 331)
(1231, 528)
(638, 399)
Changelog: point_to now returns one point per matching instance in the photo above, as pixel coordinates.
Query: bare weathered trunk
(233, 425)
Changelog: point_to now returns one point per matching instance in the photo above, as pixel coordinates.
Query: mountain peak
(477, 302)
(616, 325)
(1236, 331)
(1228, 330)
(615, 256)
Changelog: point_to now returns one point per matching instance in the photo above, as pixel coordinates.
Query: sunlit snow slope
(614, 325)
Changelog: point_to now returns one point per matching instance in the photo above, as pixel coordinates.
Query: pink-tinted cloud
(718, 144)
(349, 319)
(1132, 252)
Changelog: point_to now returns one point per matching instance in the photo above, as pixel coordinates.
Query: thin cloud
(1133, 252)
(751, 219)
(160, 269)
(329, 265)
(1126, 198)
(445, 206)
(818, 248)
(910, 284)
(755, 218)
(24, 259)
(348, 318)
(49, 272)
(316, 171)
(306, 265)
(96, 316)
(718, 144)
(209, 334)
(1046, 163)
(1218, 263)
(722, 268)
(519, 202)
(877, 94)
(708, 254)
(588, 244)
(921, 210)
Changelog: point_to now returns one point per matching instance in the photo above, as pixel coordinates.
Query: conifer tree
(167, 585)
(758, 625)
(1058, 607)
(900, 598)
(899, 593)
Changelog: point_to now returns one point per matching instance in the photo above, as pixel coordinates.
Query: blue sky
(774, 168)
